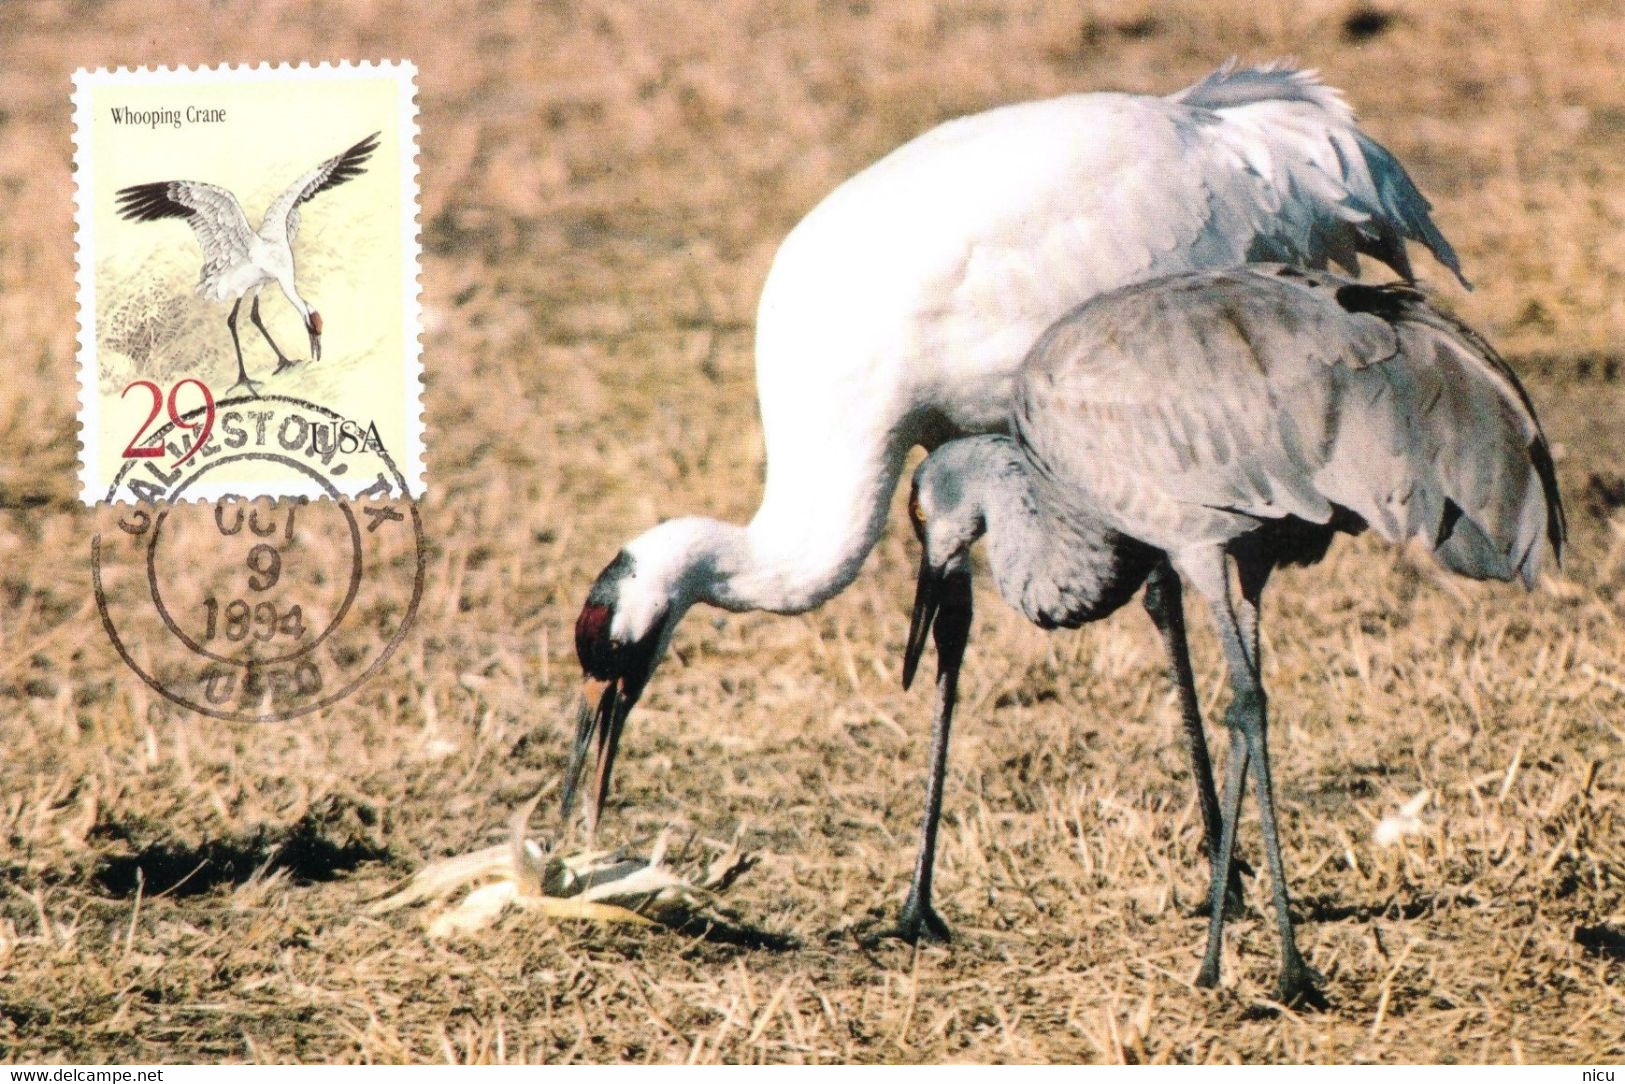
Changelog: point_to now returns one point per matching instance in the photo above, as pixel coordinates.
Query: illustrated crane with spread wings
(239, 262)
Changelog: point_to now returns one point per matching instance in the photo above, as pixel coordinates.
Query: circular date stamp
(262, 610)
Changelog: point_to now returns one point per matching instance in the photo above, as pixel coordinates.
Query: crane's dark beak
(313, 326)
(599, 718)
(927, 599)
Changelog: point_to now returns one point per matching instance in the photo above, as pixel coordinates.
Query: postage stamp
(249, 377)
(244, 233)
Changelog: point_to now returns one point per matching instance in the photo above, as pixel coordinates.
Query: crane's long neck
(291, 292)
(824, 505)
(1050, 556)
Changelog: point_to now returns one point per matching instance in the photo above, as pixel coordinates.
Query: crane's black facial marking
(600, 656)
(613, 677)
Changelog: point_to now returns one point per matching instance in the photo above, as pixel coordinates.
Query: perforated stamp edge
(410, 458)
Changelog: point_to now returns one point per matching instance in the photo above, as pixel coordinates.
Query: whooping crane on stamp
(1215, 425)
(238, 261)
(897, 312)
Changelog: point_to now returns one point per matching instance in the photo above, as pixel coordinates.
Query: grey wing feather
(1231, 86)
(1338, 191)
(1399, 213)
(213, 213)
(1265, 392)
(1171, 392)
(330, 174)
(1475, 478)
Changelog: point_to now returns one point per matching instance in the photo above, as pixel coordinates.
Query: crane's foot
(283, 363)
(1208, 977)
(243, 382)
(1235, 901)
(917, 923)
(1300, 987)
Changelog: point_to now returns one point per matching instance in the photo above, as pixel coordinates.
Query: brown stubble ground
(603, 187)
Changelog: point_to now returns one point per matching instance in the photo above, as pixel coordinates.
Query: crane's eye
(914, 513)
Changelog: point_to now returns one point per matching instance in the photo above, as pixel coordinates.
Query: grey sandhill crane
(1219, 422)
(239, 261)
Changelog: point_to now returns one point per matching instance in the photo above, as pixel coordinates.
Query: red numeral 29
(158, 403)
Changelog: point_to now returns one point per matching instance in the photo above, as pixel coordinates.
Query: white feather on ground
(601, 885)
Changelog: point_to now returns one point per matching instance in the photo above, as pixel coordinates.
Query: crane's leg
(1246, 717)
(1164, 601)
(1209, 572)
(282, 361)
(1299, 984)
(951, 630)
(237, 344)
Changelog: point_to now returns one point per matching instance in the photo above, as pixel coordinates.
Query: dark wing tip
(146, 202)
(358, 154)
(1557, 524)
(1389, 301)
(349, 165)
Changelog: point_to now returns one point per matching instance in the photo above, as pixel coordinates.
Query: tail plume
(1302, 135)
(1477, 445)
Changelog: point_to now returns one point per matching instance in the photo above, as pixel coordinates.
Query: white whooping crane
(898, 311)
(239, 262)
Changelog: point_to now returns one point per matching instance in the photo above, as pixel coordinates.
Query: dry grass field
(603, 188)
